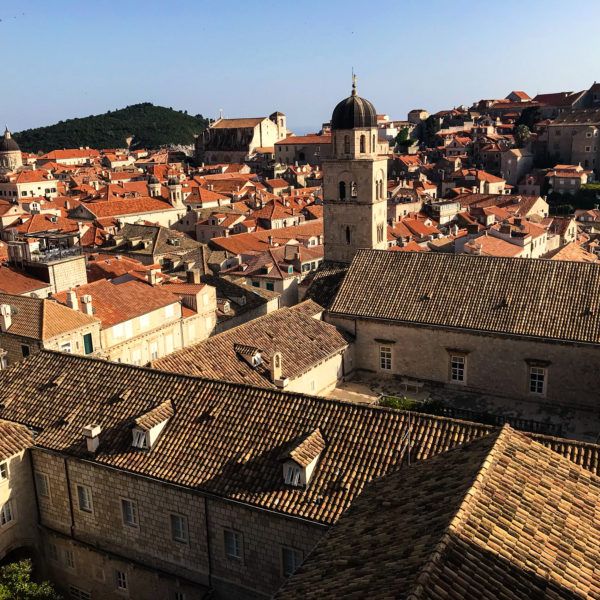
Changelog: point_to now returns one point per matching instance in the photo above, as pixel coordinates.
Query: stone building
(161, 485)
(354, 182)
(234, 140)
(29, 324)
(10, 154)
(290, 348)
(309, 149)
(519, 328)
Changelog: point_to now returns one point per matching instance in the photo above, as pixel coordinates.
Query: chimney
(152, 276)
(5, 317)
(91, 433)
(270, 240)
(193, 276)
(86, 300)
(276, 367)
(72, 301)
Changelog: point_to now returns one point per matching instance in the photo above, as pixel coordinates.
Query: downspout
(70, 499)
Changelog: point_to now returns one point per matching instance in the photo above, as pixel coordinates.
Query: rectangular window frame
(135, 522)
(42, 485)
(458, 368)
(84, 492)
(294, 553)
(4, 474)
(7, 514)
(121, 581)
(184, 537)
(237, 546)
(537, 380)
(385, 357)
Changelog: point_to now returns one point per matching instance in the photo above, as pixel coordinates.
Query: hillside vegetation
(150, 126)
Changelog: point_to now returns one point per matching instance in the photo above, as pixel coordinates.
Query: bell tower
(354, 182)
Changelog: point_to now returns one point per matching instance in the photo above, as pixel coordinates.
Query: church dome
(7, 144)
(353, 112)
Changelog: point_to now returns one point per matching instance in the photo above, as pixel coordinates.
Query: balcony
(55, 254)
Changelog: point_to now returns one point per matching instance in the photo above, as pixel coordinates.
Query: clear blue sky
(67, 58)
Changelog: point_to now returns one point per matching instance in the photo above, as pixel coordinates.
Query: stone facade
(86, 548)
(355, 195)
(494, 364)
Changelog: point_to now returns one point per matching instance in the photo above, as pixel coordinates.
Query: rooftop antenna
(220, 113)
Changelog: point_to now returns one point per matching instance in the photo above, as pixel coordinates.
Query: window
(179, 530)
(256, 284)
(6, 513)
(25, 350)
(270, 286)
(88, 343)
(153, 351)
(385, 358)
(53, 552)
(348, 235)
(537, 380)
(66, 347)
(362, 144)
(342, 186)
(69, 558)
(3, 471)
(291, 475)
(129, 512)
(179, 596)
(457, 368)
(121, 580)
(233, 544)
(588, 148)
(78, 594)
(84, 497)
(291, 559)
(140, 439)
(42, 484)
(346, 144)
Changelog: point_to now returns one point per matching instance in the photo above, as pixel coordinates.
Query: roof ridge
(463, 509)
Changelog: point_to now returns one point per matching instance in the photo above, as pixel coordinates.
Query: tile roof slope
(324, 283)
(302, 340)
(524, 297)
(13, 439)
(224, 438)
(116, 303)
(308, 448)
(500, 517)
(13, 281)
(155, 416)
(42, 319)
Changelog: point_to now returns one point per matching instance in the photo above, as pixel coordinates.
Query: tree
(402, 140)
(522, 135)
(16, 584)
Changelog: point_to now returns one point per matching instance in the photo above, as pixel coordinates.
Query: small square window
(42, 484)
(3, 471)
(179, 529)
(385, 358)
(537, 380)
(140, 439)
(53, 552)
(292, 475)
(69, 558)
(84, 498)
(233, 544)
(291, 559)
(25, 351)
(129, 512)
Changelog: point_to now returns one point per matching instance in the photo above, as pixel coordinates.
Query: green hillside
(151, 126)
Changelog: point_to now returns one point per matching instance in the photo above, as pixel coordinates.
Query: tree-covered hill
(150, 126)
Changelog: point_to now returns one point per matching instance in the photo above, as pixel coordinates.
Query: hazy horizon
(69, 59)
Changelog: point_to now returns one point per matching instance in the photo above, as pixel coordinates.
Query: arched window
(347, 235)
(353, 189)
(346, 144)
(373, 146)
(377, 190)
(362, 144)
(342, 190)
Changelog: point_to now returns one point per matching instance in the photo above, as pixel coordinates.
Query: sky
(72, 58)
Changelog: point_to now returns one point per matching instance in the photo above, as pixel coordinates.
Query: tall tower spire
(353, 82)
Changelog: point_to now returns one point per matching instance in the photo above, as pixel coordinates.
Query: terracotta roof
(130, 206)
(42, 319)
(235, 123)
(114, 303)
(558, 298)
(71, 153)
(573, 251)
(13, 281)
(306, 449)
(226, 438)
(14, 439)
(488, 245)
(302, 340)
(500, 517)
(323, 284)
(109, 266)
(155, 416)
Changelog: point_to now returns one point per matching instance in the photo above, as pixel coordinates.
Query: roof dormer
(250, 354)
(148, 426)
(300, 460)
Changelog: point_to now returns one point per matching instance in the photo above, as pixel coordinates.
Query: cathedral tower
(10, 153)
(354, 182)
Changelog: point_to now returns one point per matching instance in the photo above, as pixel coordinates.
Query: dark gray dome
(353, 112)
(7, 144)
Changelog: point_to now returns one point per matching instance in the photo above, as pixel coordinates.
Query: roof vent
(426, 296)
(300, 460)
(250, 354)
(148, 426)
